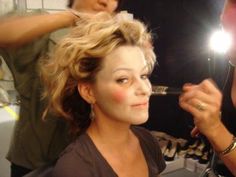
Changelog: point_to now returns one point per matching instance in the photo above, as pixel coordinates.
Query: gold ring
(201, 106)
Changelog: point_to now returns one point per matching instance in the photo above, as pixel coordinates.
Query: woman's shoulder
(75, 159)
(79, 147)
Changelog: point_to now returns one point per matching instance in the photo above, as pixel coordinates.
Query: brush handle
(165, 90)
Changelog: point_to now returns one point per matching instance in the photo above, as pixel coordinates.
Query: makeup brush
(165, 90)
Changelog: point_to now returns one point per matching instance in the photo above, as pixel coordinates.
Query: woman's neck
(110, 134)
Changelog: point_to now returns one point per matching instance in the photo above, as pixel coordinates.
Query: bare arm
(16, 31)
(207, 118)
(220, 139)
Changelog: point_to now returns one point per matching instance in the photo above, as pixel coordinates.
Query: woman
(97, 79)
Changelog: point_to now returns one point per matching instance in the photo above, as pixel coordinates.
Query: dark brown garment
(82, 158)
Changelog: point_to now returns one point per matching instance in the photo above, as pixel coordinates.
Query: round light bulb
(220, 41)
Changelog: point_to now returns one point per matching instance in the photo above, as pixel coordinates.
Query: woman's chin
(140, 120)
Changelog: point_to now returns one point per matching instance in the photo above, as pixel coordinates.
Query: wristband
(230, 148)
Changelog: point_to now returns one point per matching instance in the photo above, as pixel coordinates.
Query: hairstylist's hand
(76, 15)
(203, 101)
(70, 15)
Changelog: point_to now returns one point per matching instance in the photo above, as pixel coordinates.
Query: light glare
(220, 41)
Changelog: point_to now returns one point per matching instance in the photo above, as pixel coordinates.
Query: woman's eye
(122, 80)
(145, 76)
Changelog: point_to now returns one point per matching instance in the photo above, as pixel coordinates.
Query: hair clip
(124, 15)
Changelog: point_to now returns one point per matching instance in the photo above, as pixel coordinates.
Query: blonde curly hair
(78, 58)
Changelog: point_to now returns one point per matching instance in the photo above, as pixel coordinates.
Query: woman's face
(94, 6)
(122, 88)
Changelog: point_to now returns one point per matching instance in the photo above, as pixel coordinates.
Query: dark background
(181, 31)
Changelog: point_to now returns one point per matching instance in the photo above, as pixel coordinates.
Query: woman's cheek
(119, 95)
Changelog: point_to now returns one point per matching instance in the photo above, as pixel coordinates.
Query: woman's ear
(86, 92)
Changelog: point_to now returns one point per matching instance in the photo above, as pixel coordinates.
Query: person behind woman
(24, 39)
(204, 102)
(97, 79)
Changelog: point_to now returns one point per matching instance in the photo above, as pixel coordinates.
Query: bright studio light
(220, 41)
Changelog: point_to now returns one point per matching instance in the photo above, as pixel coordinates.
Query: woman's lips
(140, 105)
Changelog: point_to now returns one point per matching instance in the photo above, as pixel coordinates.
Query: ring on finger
(201, 106)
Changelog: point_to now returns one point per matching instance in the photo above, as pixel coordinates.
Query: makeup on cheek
(119, 95)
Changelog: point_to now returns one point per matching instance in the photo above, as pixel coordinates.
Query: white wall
(46, 4)
(6, 6)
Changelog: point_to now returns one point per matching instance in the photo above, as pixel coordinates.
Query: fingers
(195, 132)
(195, 100)
(192, 106)
(207, 86)
(203, 101)
(206, 93)
(210, 87)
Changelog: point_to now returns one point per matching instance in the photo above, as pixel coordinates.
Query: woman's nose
(144, 87)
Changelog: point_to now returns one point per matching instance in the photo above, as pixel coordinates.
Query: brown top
(82, 158)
